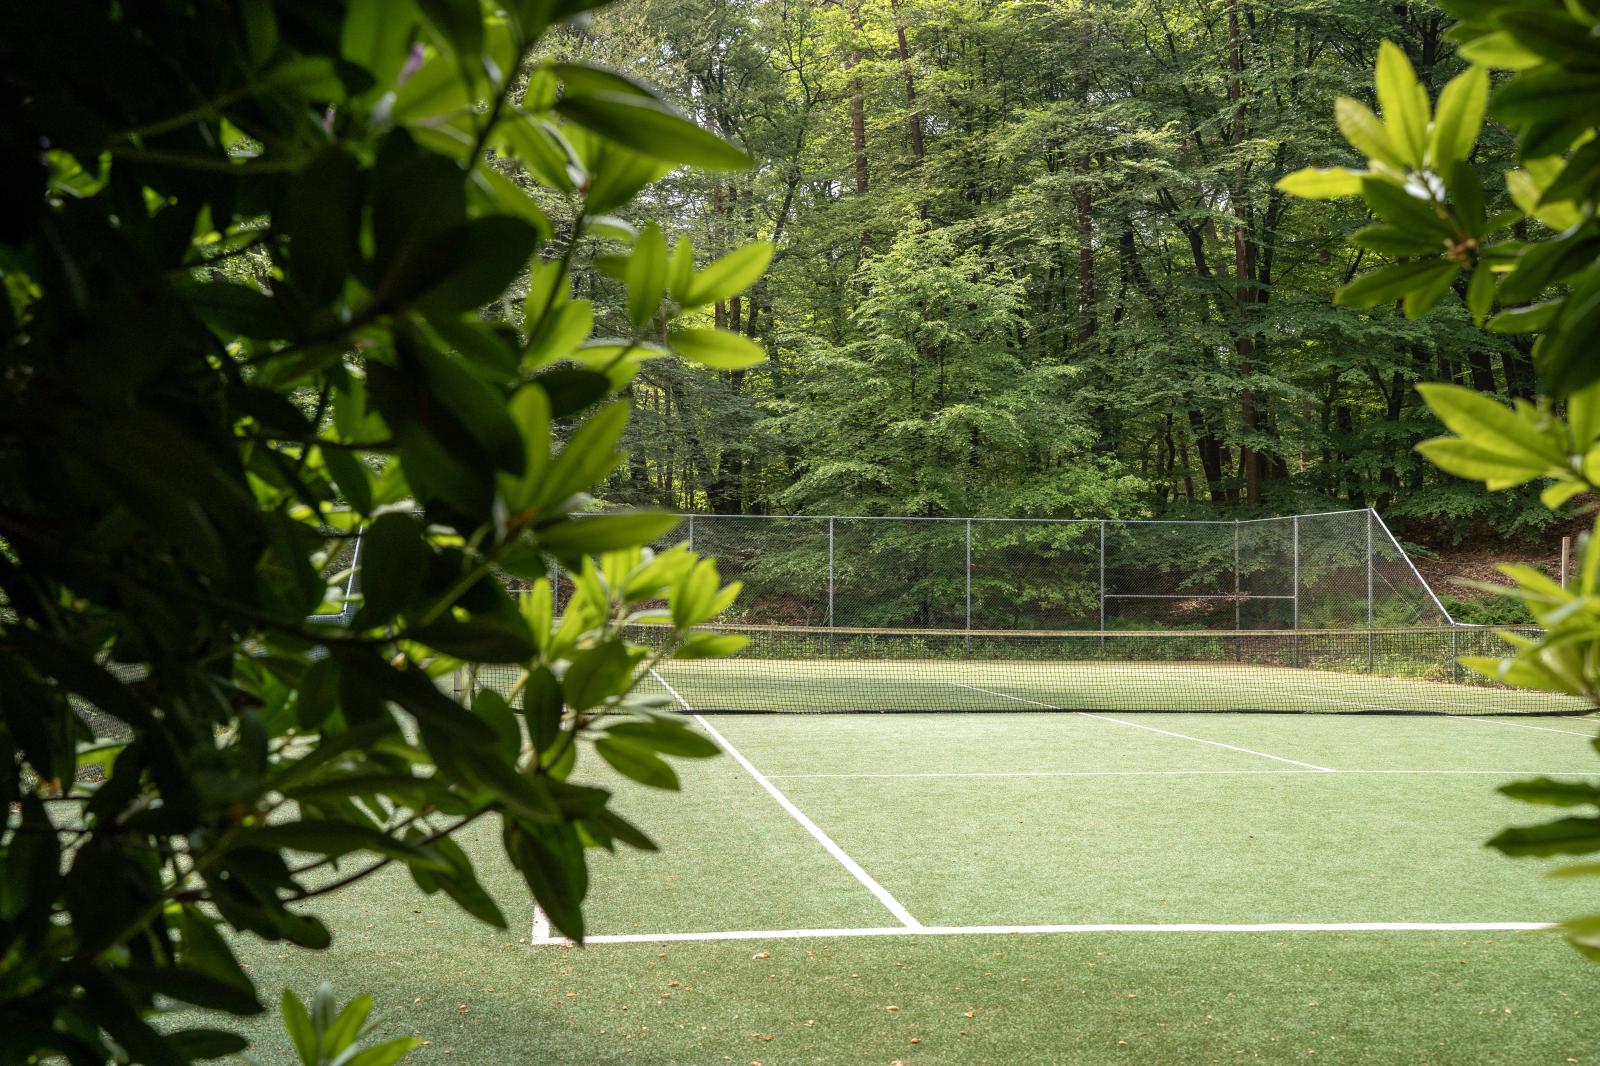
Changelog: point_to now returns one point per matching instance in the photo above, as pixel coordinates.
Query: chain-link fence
(1338, 570)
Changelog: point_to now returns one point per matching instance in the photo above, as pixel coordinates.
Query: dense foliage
(1117, 312)
(1539, 263)
(243, 258)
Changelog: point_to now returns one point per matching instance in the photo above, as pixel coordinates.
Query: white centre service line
(1152, 729)
(1109, 927)
(1588, 773)
(894, 906)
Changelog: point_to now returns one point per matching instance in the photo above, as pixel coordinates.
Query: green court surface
(1028, 887)
(750, 684)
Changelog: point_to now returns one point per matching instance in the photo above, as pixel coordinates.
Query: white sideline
(1183, 773)
(1108, 927)
(894, 906)
(1153, 729)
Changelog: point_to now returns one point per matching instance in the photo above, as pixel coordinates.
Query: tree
(243, 261)
(1540, 263)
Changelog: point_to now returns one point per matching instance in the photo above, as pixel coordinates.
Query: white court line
(541, 925)
(1109, 927)
(894, 906)
(1181, 773)
(1153, 729)
(1519, 725)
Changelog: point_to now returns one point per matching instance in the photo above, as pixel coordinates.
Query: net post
(1102, 588)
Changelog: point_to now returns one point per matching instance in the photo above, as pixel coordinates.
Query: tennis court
(1059, 823)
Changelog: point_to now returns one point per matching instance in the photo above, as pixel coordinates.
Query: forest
(1030, 261)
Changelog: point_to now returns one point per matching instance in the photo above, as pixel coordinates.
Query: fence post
(691, 532)
(1238, 623)
(1371, 657)
(830, 573)
(1102, 587)
(969, 586)
(1455, 655)
(1295, 641)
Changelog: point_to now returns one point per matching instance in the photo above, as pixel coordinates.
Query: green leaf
(666, 736)
(716, 348)
(1529, 319)
(1487, 422)
(376, 35)
(298, 1023)
(1480, 293)
(345, 1029)
(1365, 133)
(1459, 118)
(1396, 241)
(1474, 462)
(589, 454)
(1404, 104)
(503, 639)
(1390, 283)
(1565, 836)
(1322, 183)
(1421, 299)
(1544, 790)
(603, 533)
(1393, 204)
(474, 263)
(726, 277)
(206, 1043)
(387, 1053)
(636, 762)
(597, 673)
(646, 276)
(651, 128)
(394, 563)
(550, 859)
(711, 646)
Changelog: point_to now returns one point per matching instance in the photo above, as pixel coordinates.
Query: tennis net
(797, 669)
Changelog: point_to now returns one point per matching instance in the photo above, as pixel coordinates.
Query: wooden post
(1566, 559)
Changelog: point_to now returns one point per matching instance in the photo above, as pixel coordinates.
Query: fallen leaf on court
(463, 1009)
(762, 955)
(916, 1040)
(892, 1010)
(810, 1022)
(969, 1014)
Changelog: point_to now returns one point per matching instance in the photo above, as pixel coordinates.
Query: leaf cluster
(267, 471)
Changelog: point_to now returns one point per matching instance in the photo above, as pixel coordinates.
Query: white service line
(894, 906)
(1153, 729)
(1109, 927)
(1519, 725)
(1182, 773)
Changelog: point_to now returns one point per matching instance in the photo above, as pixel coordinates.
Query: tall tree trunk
(858, 106)
(913, 116)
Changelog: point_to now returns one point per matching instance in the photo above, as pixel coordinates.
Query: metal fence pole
(830, 573)
(1371, 656)
(1237, 606)
(1296, 577)
(969, 585)
(1102, 588)
(691, 532)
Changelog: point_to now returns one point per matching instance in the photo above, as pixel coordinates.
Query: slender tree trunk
(913, 116)
(858, 106)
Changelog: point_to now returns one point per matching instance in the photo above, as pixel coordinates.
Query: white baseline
(1108, 927)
